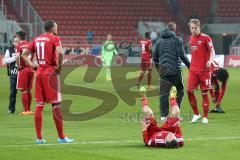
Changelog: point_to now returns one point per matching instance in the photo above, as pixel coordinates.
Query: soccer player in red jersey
(202, 52)
(218, 74)
(25, 74)
(48, 50)
(167, 136)
(146, 60)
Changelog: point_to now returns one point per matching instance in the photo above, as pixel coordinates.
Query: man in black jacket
(10, 60)
(167, 58)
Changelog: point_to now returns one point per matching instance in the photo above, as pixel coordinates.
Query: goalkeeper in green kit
(108, 52)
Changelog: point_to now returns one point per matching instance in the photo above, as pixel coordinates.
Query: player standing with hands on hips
(202, 52)
(49, 54)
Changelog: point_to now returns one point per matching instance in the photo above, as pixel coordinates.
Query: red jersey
(44, 46)
(20, 47)
(155, 136)
(146, 46)
(200, 47)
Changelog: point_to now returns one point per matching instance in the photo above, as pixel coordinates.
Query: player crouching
(167, 136)
(218, 74)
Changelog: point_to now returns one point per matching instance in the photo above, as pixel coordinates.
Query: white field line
(117, 142)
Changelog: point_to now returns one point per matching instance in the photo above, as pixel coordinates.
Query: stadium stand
(116, 17)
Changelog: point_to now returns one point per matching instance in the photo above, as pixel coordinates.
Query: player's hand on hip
(58, 70)
(208, 64)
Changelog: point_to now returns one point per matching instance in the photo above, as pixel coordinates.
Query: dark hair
(172, 26)
(21, 34)
(147, 35)
(48, 25)
(172, 144)
(222, 75)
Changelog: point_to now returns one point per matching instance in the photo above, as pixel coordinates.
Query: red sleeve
(209, 43)
(31, 47)
(57, 42)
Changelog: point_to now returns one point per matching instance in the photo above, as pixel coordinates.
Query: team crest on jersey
(199, 42)
(194, 48)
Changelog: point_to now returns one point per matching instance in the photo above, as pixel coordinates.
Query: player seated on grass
(169, 135)
(219, 74)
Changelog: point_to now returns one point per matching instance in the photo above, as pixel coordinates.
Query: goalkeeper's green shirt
(108, 50)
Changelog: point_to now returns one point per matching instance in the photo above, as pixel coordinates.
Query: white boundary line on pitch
(112, 142)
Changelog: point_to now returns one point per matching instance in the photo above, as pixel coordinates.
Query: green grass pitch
(116, 135)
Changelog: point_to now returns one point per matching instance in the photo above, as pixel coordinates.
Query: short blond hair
(194, 21)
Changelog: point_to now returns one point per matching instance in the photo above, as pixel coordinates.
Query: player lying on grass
(218, 74)
(169, 135)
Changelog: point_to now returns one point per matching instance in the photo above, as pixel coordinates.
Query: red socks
(193, 102)
(205, 104)
(144, 101)
(140, 77)
(57, 116)
(25, 101)
(29, 101)
(149, 78)
(173, 102)
(38, 120)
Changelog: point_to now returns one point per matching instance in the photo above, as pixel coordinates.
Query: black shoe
(217, 110)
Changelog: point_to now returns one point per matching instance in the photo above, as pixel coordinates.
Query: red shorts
(47, 88)
(25, 79)
(196, 78)
(146, 64)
